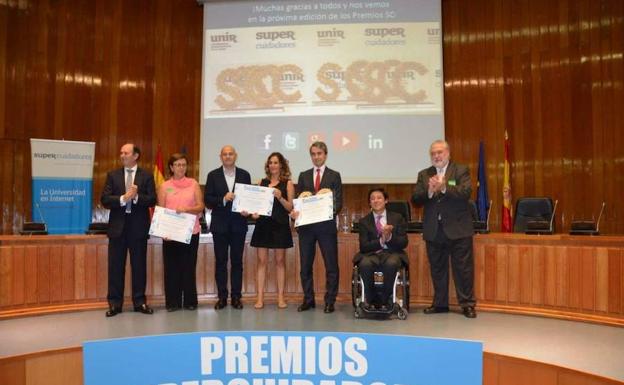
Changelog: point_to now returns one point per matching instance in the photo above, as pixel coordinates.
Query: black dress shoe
(329, 308)
(144, 309)
(190, 307)
(113, 311)
(306, 306)
(435, 309)
(469, 312)
(236, 303)
(221, 303)
(173, 308)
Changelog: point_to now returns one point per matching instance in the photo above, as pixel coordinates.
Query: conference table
(562, 276)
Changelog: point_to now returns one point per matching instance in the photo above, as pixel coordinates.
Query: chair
(34, 228)
(480, 227)
(401, 207)
(97, 228)
(535, 215)
(587, 227)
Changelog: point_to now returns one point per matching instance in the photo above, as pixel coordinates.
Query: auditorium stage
(590, 348)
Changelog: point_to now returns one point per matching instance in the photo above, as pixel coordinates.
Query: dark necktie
(128, 185)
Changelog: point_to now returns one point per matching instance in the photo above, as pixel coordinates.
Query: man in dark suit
(228, 228)
(444, 190)
(319, 179)
(382, 240)
(128, 193)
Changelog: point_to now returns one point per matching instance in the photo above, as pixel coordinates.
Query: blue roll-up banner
(62, 184)
(280, 358)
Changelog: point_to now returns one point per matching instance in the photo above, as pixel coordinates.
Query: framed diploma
(168, 224)
(253, 199)
(314, 209)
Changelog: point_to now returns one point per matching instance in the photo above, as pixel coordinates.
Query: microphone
(30, 228)
(40, 213)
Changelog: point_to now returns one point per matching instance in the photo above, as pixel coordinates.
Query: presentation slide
(363, 76)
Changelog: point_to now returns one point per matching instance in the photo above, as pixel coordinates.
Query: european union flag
(483, 199)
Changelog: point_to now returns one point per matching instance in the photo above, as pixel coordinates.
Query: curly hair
(284, 168)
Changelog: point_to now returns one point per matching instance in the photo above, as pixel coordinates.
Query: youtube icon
(345, 140)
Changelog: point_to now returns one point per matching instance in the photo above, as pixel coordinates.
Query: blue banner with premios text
(282, 358)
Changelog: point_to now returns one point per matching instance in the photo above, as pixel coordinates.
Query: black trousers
(386, 262)
(118, 249)
(326, 235)
(462, 263)
(180, 262)
(229, 246)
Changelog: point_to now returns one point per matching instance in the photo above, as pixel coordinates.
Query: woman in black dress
(274, 232)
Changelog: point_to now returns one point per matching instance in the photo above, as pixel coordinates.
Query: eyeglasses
(180, 165)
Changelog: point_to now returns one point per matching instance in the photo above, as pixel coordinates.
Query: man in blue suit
(228, 228)
(128, 193)
(319, 179)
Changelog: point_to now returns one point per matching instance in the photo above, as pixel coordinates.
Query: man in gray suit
(318, 180)
(444, 190)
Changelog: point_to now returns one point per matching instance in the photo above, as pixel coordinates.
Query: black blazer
(369, 240)
(223, 219)
(453, 206)
(114, 188)
(331, 180)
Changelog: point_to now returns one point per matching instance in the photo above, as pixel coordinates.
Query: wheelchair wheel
(402, 314)
(402, 288)
(356, 289)
(406, 288)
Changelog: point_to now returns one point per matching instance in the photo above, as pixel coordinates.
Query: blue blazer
(331, 180)
(223, 219)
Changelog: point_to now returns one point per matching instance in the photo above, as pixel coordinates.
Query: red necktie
(317, 180)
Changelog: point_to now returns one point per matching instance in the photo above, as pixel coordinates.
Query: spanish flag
(506, 223)
(159, 169)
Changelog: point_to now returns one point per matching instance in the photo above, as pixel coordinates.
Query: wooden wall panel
(103, 71)
(550, 73)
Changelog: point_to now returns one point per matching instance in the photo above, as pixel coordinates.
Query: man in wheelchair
(383, 239)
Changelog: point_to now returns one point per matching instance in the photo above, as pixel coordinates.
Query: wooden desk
(572, 277)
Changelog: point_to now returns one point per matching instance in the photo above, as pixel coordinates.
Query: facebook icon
(263, 142)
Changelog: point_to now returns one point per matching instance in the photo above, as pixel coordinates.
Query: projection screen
(363, 76)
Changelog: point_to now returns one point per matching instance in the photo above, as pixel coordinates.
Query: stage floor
(586, 347)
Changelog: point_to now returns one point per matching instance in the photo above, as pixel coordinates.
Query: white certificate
(253, 199)
(314, 209)
(168, 224)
